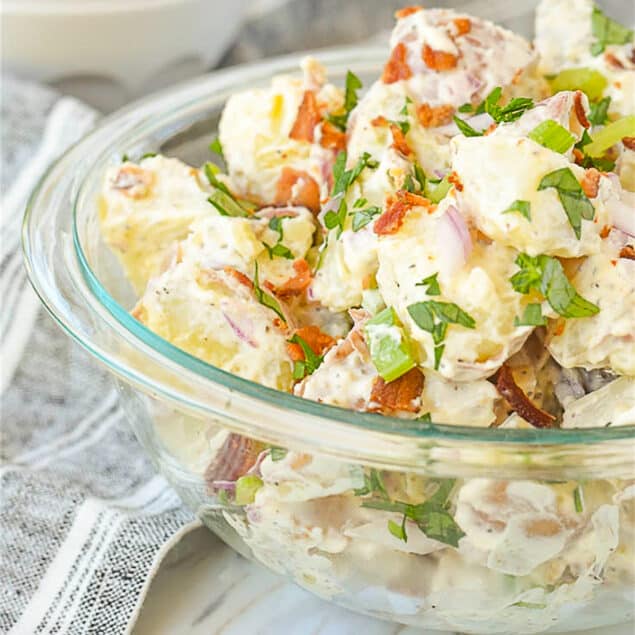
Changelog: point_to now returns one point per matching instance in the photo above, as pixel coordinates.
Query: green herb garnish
(265, 298)
(333, 220)
(505, 114)
(343, 178)
(425, 418)
(467, 107)
(577, 499)
(546, 275)
(434, 316)
(353, 84)
(311, 361)
(246, 488)
(607, 31)
(217, 147)
(222, 199)
(362, 217)
(277, 453)
(522, 207)
(574, 201)
(598, 113)
(532, 316)
(465, 128)
(398, 531)
(373, 484)
(431, 284)
(279, 250)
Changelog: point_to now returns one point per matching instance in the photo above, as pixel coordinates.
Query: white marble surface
(204, 588)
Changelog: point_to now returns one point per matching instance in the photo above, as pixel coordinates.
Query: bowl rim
(148, 342)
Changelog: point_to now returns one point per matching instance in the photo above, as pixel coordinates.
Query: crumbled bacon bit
(438, 60)
(453, 178)
(318, 341)
(591, 182)
(612, 60)
(406, 11)
(399, 141)
(379, 121)
(296, 187)
(517, 75)
(629, 142)
(614, 262)
(433, 116)
(578, 107)
(519, 402)
(239, 276)
(397, 67)
(400, 394)
(307, 118)
(463, 25)
(133, 181)
(234, 459)
(560, 326)
(298, 283)
(628, 252)
(605, 231)
(578, 156)
(332, 138)
(392, 219)
(490, 129)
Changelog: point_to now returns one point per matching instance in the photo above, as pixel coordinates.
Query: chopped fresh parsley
(279, 250)
(362, 217)
(431, 517)
(426, 417)
(404, 108)
(336, 219)
(431, 284)
(373, 484)
(546, 275)
(311, 361)
(532, 316)
(607, 31)
(265, 298)
(275, 224)
(505, 114)
(434, 316)
(598, 113)
(147, 155)
(573, 199)
(552, 135)
(466, 108)
(465, 128)
(277, 453)
(217, 147)
(522, 207)
(222, 199)
(343, 178)
(353, 84)
(601, 163)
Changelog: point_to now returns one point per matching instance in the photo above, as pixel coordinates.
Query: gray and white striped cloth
(84, 519)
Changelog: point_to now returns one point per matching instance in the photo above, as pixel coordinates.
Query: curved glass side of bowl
(445, 527)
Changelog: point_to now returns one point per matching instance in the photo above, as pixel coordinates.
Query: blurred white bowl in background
(109, 51)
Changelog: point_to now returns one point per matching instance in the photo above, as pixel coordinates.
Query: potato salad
(451, 244)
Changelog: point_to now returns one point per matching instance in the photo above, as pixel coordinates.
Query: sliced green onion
(225, 204)
(603, 139)
(552, 135)
(588, 80)
(389, 348)
(246, 488)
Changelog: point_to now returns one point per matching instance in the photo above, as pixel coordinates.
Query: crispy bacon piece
(298, 283)
(379, 121)
(591, 182)
(578, 107)
(332, 138)
(628, 252)
(433, 116)
(392, 219)
(399, 141)
(438, 60)
(239, 276)
(463, 26)
(612, 60)
(133, 181)
(319, 342)
(406, 11)
(397, 67)
(307, 118)
(519, 402)
(629, 142)
(296, 187)
(453, 178)
(234, 459)
(400, 394)
(605, 231)
(490, 129)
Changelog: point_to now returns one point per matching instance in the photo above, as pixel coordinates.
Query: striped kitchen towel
(84, 519)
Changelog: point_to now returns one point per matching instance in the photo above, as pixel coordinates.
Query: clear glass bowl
(548, 515)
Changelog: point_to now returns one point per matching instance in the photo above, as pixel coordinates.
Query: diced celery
(389, 348)
(246, 488)
(435, 191)
(603, 139)
(588, 80)
(552, 135)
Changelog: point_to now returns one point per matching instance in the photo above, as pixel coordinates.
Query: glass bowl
(521, 531)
